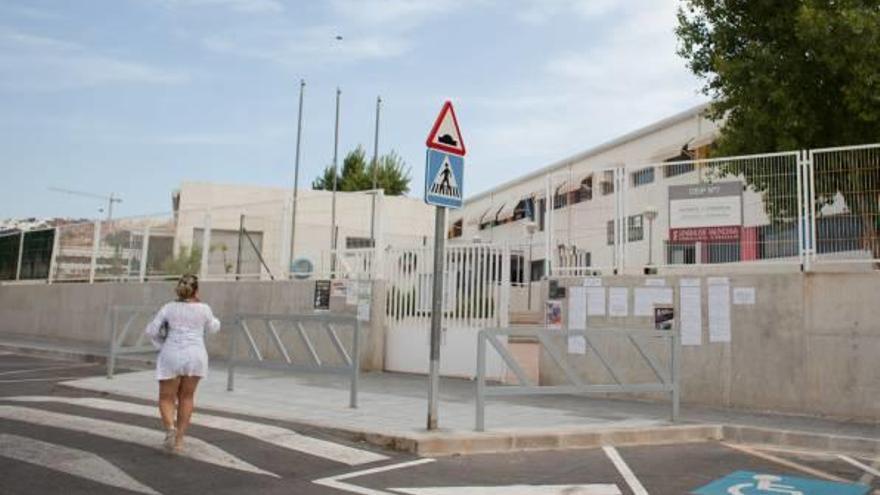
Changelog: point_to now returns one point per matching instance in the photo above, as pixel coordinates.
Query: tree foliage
(187, 261)
(392, 174)
(789, 75)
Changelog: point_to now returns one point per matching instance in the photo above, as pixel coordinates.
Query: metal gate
(476, 295)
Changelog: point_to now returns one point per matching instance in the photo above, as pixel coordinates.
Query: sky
(133, 97)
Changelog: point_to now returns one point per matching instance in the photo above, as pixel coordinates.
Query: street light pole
(333, 201)
(302, 86)
(650, 215)
(375, 174)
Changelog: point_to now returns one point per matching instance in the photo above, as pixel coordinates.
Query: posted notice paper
(595, 301)
(577, 319)
(691, 315)
(719, 313)
(647, 297)
(618, 301)
(743, 295)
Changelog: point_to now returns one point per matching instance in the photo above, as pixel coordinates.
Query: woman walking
(178, 331)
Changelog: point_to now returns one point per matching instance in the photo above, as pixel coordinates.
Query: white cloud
(396, 14)
(241, 6)
(30, 62)
(542, 11)
(306, 46)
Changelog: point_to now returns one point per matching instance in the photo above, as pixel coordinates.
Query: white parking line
(634, 484)
(275, 435)
(595, 489)
(784, 462)
(864, 467)
(194, 448)
(68, 460)
(49, 379)
(48, 368)
(337, 483)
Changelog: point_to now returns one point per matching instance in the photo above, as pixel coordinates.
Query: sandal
(170, 439)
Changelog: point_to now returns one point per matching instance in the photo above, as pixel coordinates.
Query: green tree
(357, 174)
(787, 75)
(187, 261)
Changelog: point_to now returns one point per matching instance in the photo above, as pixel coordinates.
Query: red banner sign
(705, 234)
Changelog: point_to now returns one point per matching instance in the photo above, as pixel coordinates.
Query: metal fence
(294, 342)
(792, 208)
(663, 374)
(122, 321)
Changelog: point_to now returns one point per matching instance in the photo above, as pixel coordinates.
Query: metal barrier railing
(133, 316)
(667, 377)
(275, 325)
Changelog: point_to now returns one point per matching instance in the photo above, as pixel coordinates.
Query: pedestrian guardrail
(121, 320)
(282, 330)
(667, 377)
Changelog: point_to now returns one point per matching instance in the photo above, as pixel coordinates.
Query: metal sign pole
(436, 316)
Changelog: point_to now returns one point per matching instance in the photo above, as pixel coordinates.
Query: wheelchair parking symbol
(751, 483)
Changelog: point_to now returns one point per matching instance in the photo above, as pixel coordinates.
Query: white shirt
(183, 352)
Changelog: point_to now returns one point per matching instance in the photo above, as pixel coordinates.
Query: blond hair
(187, 287)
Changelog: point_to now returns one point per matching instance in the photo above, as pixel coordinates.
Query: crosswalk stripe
(47, 368)
(275, 435)
(194, 448)
(592, 489)
(68, 460)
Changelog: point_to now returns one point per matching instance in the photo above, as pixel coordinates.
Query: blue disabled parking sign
(751, 483)
(444, 176)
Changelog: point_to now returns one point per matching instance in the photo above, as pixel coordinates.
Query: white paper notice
(691, 316)
(595, 301)
(577, 318)
(719, 313)
(618, 301)
(577, 308)
(592, 282)
(655, 282)
(647, 297)
(743, 295)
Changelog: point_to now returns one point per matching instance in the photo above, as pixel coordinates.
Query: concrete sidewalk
(392, 412)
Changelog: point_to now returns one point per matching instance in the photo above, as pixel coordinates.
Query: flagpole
(375, 173)
(333, 205)
(302, 86)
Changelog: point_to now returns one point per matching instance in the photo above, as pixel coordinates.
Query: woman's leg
(185, 398)
(167, 397)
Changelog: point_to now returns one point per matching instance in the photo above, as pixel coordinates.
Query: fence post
(379, 237)
(811, 173)
(233, 349)
(675, 342)
(504, 302)
(20, 255)
(145, 251)
(96, 243)
(355, 364)
(53, 258)
(481, 382)
(285, 241)
(548, 237)
(206, 247)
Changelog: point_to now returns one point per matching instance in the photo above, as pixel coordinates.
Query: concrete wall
(809, 345)
(77, 313)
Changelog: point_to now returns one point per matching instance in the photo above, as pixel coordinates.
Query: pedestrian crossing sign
(444, 174)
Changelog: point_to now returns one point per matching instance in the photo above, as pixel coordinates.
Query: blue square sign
(444, 176)
(751, 483)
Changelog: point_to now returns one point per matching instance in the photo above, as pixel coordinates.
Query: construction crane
(112, 198)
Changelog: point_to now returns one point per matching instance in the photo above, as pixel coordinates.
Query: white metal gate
(476, 290)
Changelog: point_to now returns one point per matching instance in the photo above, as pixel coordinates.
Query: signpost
(444, 187)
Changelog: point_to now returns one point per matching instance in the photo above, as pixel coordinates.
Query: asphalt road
(57, 440)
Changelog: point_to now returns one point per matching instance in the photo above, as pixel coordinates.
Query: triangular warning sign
(445, 135)
(444, 183)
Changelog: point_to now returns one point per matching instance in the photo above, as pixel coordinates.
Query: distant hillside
(17, 224)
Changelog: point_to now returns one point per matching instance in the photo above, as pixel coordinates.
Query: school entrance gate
(476, 296)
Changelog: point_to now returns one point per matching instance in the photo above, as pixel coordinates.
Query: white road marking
(634, 484)
(784, 462)
(48, 368)
(275, 435)
(864, 467)
(68, 460)
(866, 479)
(595, 489)
(51, 379)
(194, 448)
(335, 481)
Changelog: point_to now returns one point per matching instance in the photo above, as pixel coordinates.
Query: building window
(560, 200)
(456, 229)
(358, 242)
(542, 206)
(524, 209)
(680, 165)
(635, 228)
(642, 177)
(610, 232)
(586, 190)
(607, 182)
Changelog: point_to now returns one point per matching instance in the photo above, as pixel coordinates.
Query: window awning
(477, 220)
(506, 210)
